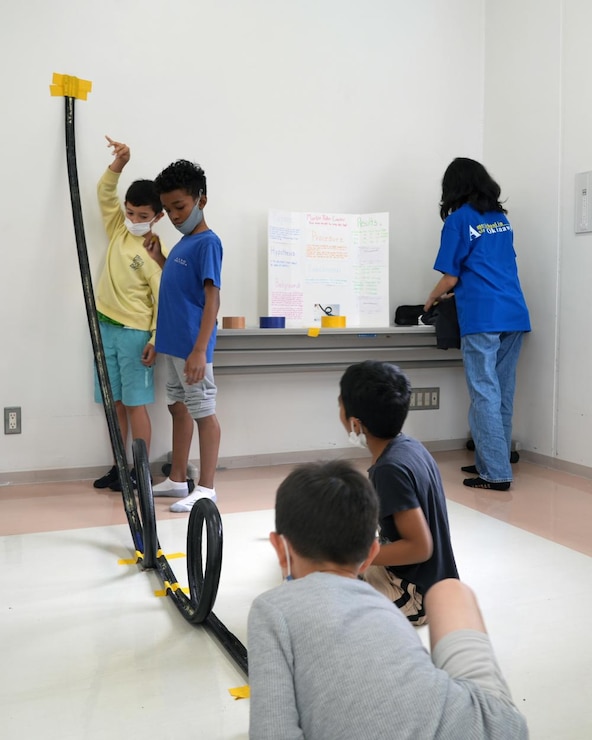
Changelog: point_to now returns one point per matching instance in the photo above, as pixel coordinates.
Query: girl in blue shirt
(478, 262)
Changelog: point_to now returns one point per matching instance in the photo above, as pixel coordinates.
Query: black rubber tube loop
(203, 583)
(146, 499)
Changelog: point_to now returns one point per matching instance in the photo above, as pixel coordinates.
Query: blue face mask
(192, 221)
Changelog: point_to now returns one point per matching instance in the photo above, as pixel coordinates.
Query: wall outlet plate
(12, 420)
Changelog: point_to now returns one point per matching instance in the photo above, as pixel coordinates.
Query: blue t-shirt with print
(192, 261)
(478, 249)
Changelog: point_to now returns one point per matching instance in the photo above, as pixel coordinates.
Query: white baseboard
(334, 453)
(554, 463)
(26, 477)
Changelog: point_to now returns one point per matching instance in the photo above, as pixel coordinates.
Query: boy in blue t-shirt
(416, 551)
(186, 329)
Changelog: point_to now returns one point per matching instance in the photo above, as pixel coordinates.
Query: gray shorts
(199, 398)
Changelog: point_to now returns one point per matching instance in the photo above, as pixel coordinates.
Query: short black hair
(143, 193)
(378, 394)
(328, 511)
(467, 181)
(182, 175)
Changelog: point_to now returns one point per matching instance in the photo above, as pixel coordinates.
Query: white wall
(522, 149)
(322, 106)
(538, 119)
(302, 413)
(574, 397)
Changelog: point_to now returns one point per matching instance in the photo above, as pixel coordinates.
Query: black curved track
(95, 334)
(203, 581)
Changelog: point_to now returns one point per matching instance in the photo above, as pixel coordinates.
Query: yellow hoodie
(127, 290)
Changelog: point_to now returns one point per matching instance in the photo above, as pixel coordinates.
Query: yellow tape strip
(69, 87)
(159, 554)
(139, 556)
(240, 692)
(170, 556)
(314, 331)
(173, 587)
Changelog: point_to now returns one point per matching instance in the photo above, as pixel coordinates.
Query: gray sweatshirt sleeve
(468, 654)
(273, 712)
(467, 657)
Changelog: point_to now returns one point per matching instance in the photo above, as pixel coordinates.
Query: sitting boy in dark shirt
(416, 551)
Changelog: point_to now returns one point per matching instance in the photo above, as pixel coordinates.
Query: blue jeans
(490, 362)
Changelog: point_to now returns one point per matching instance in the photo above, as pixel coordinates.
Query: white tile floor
(89, 652)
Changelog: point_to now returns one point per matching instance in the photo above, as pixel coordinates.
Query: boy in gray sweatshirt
(331, 658)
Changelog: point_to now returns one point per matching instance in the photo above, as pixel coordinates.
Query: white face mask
(289, 576)
(140, 229)
(357, 440)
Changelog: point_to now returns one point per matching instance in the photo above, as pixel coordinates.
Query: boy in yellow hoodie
(127, 301)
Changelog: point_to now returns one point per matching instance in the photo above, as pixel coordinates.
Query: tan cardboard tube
(233, 322)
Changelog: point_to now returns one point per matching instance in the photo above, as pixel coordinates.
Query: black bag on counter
(408, 315)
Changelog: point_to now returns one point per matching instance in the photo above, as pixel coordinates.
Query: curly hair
(182, 175)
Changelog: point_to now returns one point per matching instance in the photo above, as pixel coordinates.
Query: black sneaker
(108, 479)
(514, 457)
(486, 484)
(116, 486)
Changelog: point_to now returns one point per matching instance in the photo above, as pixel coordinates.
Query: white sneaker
(170, 488)
(186, 504)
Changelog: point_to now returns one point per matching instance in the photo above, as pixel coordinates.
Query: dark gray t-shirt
(406, 477)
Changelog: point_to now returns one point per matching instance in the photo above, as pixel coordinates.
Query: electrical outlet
(424, 399)
(12, 420)
(435, 398)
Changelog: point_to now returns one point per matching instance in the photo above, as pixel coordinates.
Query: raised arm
(121, 154)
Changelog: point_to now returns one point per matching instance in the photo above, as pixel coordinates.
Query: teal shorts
(131, 382)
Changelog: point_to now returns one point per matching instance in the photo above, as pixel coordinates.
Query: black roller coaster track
(203, 581)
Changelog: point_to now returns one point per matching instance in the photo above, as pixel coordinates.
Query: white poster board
(327, 262)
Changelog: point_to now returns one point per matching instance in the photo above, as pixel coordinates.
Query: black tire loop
(146, 499)
(203, 585)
